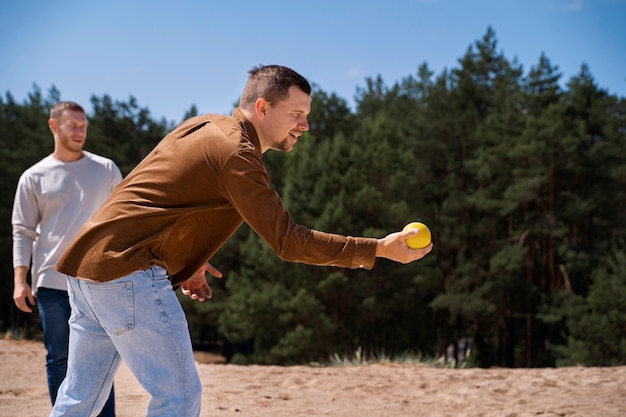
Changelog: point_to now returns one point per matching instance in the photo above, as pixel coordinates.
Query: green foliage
(359, 358)
(286, 324)
(521, 182)
(123, 131)
(596, 323)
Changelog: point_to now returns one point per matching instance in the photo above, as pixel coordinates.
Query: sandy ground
(379, 390)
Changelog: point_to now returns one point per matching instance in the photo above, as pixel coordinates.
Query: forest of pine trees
(520, 176)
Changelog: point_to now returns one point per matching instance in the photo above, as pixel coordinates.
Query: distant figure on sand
(54, 198)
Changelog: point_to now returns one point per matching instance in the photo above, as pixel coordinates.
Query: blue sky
(172, 54)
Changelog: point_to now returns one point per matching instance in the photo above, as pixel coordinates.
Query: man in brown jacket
(161, 226)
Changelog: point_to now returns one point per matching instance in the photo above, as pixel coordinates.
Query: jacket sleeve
(245, 183)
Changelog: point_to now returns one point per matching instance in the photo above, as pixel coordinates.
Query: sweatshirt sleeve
(115, 177)
(24, 220)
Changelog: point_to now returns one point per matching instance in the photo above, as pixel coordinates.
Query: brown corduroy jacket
(187, 197)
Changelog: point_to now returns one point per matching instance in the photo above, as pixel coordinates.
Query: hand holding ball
(420, 240)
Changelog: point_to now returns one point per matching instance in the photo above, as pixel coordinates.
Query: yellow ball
(422, 239)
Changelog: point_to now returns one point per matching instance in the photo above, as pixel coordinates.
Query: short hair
(271, 82)
(57, 110)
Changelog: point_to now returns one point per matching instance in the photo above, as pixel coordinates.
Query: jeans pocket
(76, 307)
(114, 306)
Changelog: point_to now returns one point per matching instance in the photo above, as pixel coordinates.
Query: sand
(380, 390)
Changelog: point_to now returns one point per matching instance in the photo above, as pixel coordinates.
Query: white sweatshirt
(52, 201)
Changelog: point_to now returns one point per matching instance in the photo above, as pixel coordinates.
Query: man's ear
(52, 124)
(260, 107)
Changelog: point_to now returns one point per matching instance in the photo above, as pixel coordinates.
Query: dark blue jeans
(54, 313)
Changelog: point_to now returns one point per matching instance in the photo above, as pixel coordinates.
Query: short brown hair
(271, 82)
(57, 110)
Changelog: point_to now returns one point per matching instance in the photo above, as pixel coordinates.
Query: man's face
(70, 130)
(285, 121)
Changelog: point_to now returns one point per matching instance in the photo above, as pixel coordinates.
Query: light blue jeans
(54, 313)
(137, 319)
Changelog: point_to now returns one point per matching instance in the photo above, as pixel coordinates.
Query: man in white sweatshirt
(54, 198)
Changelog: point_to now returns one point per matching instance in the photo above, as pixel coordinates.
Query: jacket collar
(248, 128)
